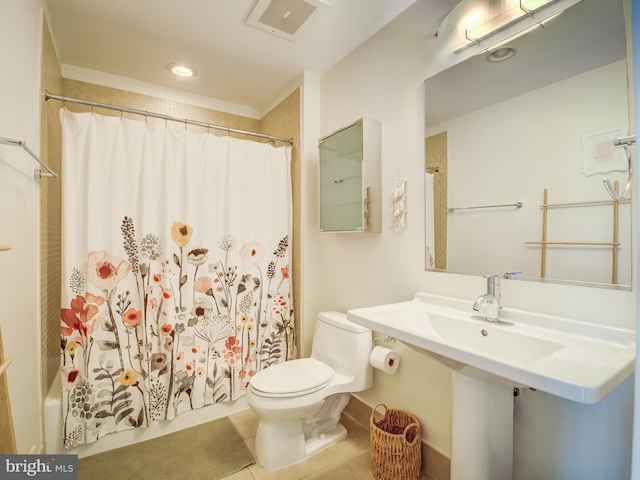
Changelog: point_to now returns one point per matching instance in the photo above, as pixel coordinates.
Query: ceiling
(236, 62)
(587, 36)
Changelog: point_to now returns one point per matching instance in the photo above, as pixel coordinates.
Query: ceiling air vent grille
(285, 18)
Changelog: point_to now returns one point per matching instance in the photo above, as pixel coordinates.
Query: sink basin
(575, 360)
(497, 341)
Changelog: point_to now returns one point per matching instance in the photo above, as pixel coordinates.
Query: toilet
(299, 402)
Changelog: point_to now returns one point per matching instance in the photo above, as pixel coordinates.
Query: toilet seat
(293, 378)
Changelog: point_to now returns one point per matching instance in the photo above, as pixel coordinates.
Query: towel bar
(37, 173)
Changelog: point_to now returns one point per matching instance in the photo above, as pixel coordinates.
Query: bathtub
(53, 425)
(53, 419)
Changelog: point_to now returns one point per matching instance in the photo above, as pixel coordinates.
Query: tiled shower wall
(436, 156)
(283, 120)
(50, 219)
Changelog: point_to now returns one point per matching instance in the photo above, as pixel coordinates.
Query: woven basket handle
(373, 412)
(406, 431)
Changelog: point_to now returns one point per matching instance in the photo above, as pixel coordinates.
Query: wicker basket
(395, 445)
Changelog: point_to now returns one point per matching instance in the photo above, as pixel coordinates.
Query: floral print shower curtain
(176, 265)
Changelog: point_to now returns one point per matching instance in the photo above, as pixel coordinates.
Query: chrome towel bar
(517, 205)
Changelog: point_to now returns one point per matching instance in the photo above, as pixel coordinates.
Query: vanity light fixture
(472, 22)
(181, 70)
(511, 12)
(499, 52)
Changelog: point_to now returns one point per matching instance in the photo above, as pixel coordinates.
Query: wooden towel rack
(7, 433)
(614, 244)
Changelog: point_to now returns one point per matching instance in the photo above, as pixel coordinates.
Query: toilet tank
(344, 346)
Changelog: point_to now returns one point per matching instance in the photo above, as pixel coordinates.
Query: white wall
(310, 238)
(383, 80)
(20, 40)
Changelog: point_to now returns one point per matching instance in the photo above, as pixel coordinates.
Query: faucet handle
(512, 275)
(492, 279)
(493, 285)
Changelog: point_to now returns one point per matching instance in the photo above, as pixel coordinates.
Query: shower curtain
(176, 265)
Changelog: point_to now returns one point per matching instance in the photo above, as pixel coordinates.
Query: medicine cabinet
(350, 178)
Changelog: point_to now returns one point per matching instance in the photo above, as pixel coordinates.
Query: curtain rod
(144, 113)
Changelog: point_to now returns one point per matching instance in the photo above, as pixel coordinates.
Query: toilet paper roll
(384, 359)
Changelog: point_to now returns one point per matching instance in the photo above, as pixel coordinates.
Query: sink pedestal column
(482, 430)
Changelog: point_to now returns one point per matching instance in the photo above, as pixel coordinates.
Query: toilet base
(290, 448)
(285, 439)
(326, 439)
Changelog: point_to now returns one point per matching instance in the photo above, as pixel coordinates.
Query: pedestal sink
(575, 360)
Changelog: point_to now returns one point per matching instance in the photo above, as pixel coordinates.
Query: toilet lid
(300, 376)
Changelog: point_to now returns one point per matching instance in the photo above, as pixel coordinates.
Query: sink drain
(484, 332)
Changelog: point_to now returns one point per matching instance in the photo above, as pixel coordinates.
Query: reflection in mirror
(529, 140)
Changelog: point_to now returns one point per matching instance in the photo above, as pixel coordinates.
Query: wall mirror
(517, 151)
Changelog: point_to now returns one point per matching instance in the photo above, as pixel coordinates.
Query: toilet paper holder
(384, 358)
(387, 339)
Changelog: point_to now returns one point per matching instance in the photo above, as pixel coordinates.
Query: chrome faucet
(491, 299)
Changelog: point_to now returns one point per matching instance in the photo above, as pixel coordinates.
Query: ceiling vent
(285, 18)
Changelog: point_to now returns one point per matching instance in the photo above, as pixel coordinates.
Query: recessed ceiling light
(501, 54)
(181, 70)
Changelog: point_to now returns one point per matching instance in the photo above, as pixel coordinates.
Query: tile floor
(346, 460)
